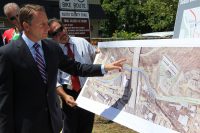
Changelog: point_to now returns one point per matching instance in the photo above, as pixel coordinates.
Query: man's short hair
(8, 6)
(52, 20)
(27, 11)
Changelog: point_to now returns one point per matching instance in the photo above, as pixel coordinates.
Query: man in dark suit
(28, 75)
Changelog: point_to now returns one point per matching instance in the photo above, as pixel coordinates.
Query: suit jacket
(27, 105)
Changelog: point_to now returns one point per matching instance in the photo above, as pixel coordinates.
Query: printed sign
(73, 5)
(77, 23)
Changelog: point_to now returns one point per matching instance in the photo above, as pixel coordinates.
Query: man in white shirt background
(76, 119)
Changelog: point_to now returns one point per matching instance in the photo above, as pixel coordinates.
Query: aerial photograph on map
(169, 88)
(114, 88)
(160, 85)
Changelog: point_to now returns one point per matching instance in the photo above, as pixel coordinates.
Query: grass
(102, 125)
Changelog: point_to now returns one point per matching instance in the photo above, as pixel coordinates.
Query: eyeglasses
(57, 31)
(13, 18)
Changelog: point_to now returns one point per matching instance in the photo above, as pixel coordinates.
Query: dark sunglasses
(13, 18)
(57, 31)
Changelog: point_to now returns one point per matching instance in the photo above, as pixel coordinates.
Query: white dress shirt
(30, 44)
(84, 53)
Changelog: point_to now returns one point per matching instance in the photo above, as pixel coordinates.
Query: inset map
(187, 23)
(190, 26)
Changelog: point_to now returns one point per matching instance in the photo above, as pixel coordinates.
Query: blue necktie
(40, 62)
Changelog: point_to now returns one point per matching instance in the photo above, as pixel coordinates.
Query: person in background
(76, 119)
(28, 76)
(11, 10)
(1, 40)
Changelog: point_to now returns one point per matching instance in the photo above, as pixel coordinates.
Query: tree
(138, 16)
(121, 15)
(160, 14)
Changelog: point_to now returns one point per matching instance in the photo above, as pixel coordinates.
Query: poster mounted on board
(156, 92)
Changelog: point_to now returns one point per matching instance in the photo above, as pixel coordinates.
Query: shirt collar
(28, 42)
(63, 45)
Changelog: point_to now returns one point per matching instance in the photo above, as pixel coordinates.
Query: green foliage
(160, 14)
(121, 15)
(123, 35)
(140, 16)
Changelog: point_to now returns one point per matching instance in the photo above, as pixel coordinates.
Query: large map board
(158, 89)
(187, 19)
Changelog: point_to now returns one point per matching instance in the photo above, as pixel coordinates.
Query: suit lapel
(26, 55)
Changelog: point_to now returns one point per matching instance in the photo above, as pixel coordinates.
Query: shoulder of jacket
(49, 41)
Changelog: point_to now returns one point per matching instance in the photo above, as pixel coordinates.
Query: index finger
(120, 61)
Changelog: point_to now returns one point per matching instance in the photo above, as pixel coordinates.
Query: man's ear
(25, 26)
